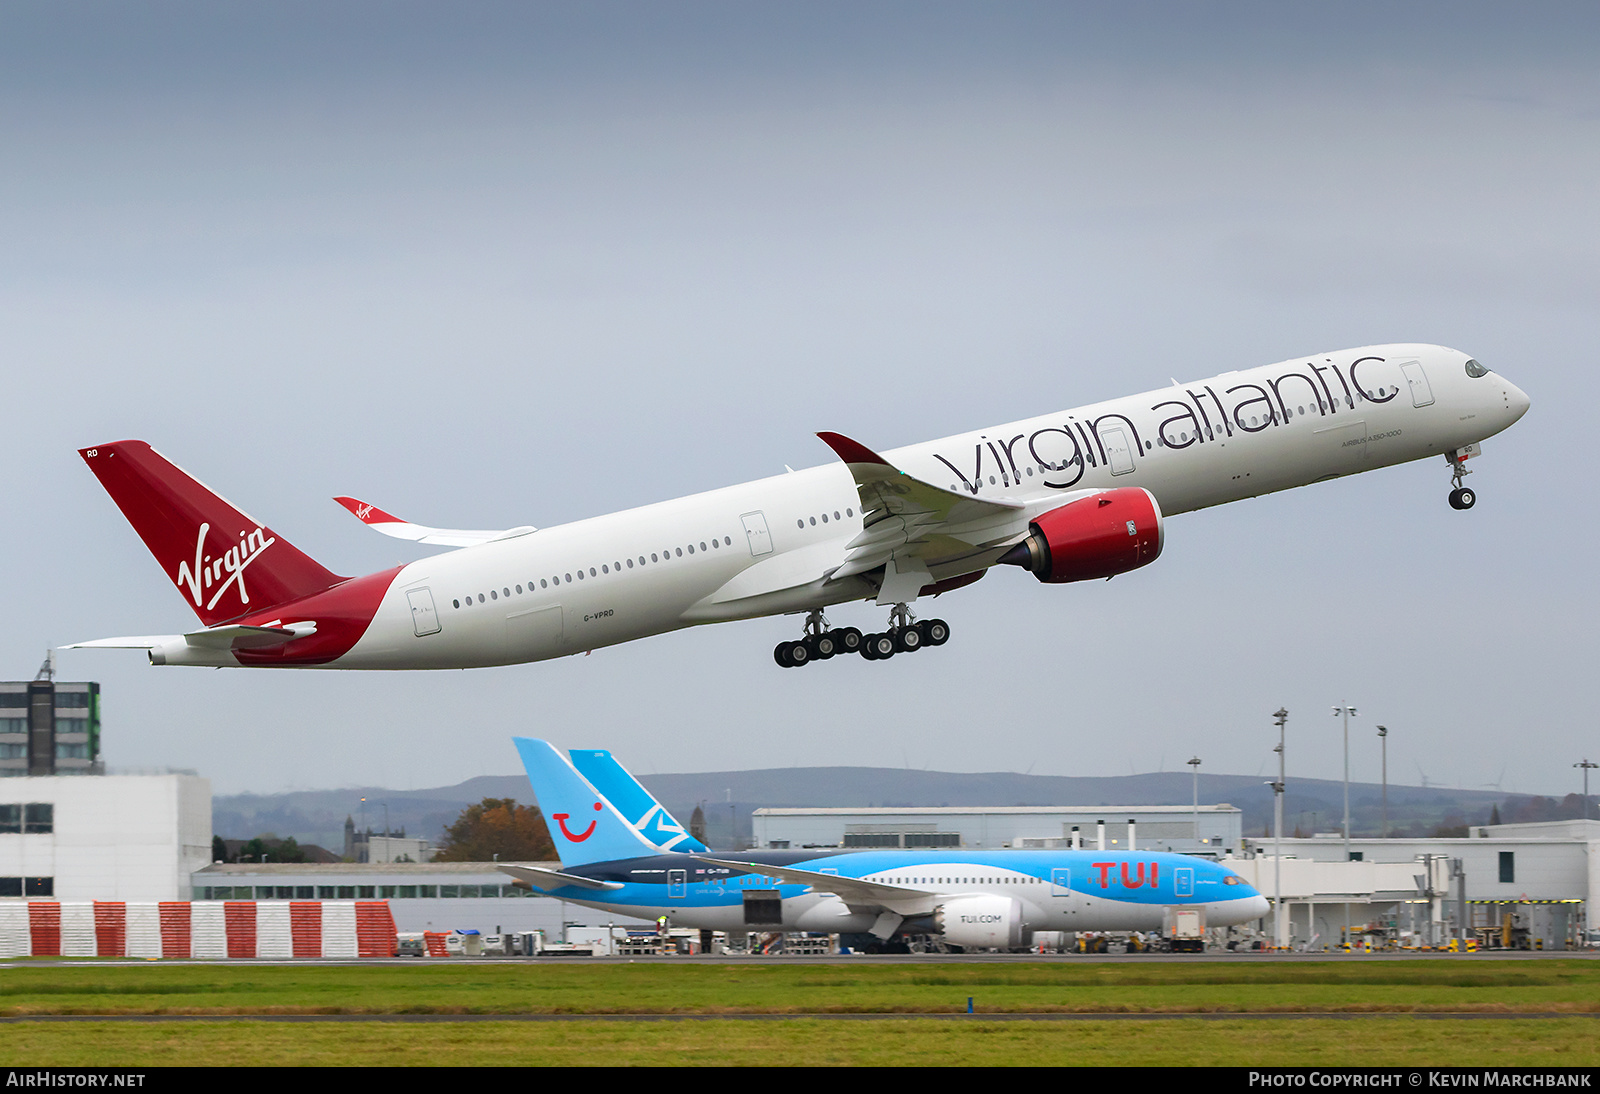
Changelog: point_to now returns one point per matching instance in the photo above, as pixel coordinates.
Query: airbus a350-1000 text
(1071, 496)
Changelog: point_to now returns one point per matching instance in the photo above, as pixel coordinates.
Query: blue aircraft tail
(636, 804)
(584, 825)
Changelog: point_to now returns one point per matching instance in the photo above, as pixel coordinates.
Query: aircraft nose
(1517, 401)
(1257, 906)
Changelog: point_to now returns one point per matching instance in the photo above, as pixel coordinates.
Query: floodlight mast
(1383, 738)
(1346, 712)
(1280, 719)
(1194, 765)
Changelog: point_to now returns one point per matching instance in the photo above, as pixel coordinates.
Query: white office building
(112, 837)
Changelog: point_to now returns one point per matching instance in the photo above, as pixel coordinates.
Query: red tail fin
(225, 563)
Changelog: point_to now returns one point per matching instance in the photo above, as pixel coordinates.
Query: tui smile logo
(562, 818)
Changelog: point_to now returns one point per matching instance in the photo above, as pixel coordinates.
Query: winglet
(367, 513)
(852, 451)
(391, 525)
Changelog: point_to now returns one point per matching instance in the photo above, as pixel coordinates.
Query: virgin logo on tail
(209, 571)
(562, 818)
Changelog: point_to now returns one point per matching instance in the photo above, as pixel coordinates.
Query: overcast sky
(495, 264)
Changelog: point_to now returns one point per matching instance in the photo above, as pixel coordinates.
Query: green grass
(1375, 993)
(1351, 984)
(1399, 1041)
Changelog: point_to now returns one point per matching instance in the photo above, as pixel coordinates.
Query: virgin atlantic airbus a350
(1070, 496)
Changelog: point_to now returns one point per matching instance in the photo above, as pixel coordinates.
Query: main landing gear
(822, 642)
(1461, 497)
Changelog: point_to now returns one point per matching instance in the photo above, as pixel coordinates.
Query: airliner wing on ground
(982, 898)
(1070, 496)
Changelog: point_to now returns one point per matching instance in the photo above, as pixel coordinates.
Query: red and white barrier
(205, 929)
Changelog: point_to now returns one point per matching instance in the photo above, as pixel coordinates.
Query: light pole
(1280, 719)
(1586, 765)
(1383, 739)
(1194, 765)
(1345, 712)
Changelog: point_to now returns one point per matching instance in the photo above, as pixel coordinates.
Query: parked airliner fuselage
(798, 542)
(971, 896)
(1052, 890)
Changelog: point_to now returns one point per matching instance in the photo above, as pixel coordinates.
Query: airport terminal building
(1210, 830)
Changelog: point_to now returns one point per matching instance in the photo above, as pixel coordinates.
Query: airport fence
(202, 929)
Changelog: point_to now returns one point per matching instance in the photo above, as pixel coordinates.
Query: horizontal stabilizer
(391, 525)
(130, 642)
(234, 636)
(547, 880)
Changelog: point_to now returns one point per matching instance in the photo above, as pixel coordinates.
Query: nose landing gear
(1461, 497)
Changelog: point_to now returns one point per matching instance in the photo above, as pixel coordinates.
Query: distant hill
(317, 816)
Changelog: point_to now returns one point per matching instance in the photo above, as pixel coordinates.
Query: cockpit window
(1475, 370)
(1233, 879)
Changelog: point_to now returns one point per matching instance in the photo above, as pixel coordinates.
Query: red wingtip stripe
(368, 514)
(851, 451)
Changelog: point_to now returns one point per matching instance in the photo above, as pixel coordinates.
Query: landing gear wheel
(878, 647)
(1462, 498)
(908, 639)
(780, 654)
(935, 632)
(799, 653)
(849, 640)
(822, 646)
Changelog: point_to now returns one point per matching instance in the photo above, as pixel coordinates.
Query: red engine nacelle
(1105, 534)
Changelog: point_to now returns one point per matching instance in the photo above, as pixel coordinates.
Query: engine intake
(1102, 535)
(981, 922)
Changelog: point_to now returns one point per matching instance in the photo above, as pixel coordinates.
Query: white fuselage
(764, 547)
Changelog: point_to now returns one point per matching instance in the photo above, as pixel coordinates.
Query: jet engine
(1101, 535)
(981, 922)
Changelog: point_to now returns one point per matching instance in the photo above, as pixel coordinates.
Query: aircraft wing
(540, 878)
(909, 525)
(391, 525)
(858, 894)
